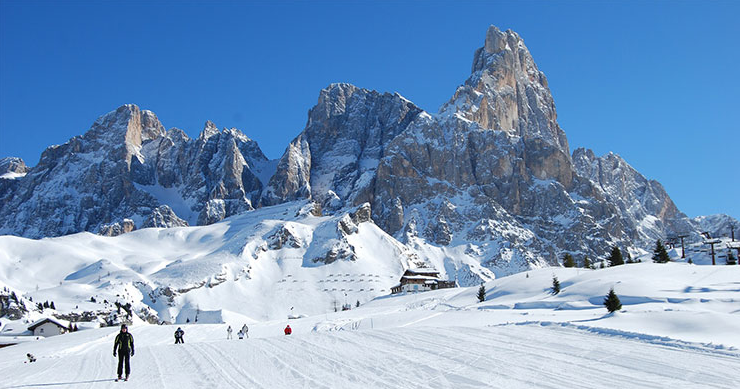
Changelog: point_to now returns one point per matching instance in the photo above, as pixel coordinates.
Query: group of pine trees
(45, 305)
(616, 258)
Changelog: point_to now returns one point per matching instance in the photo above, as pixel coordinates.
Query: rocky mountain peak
(498, 41)
(209, 130)
(13, 165)
(507, 92)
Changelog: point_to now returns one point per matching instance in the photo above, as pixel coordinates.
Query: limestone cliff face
(507, 92)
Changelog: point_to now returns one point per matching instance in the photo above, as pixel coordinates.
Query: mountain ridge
(493, 160)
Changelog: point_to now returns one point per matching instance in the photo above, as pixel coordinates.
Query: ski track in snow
(506, 356)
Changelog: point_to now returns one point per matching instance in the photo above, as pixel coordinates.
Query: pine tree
(52, 305)
(481, 293)
(660, 255)
(615, 258)
(358, 304)
(555, 286)
(611, 302)
(46, 304)
(586, 262)
(568, 260)
(690, 261)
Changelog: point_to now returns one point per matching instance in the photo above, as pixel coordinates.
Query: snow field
(511, 356)
(678, 328)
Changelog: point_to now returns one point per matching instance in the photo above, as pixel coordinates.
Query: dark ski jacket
(124, 343)
(179, 333)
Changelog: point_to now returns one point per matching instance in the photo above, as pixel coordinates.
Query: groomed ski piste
(679, 327)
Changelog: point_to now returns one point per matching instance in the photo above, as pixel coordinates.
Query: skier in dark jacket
(124, 347)
(179, 333)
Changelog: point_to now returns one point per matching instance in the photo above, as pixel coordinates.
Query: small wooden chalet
(49, 326)
(421, 280)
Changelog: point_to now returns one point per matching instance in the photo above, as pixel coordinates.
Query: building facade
(421, 280)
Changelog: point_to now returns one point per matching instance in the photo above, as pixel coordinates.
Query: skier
(31, 358)
(178, 335)
(228, 333)
(245, 330)
(287, 330)
(124, 346)
(240, 334)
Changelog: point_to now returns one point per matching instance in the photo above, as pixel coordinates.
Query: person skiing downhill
(228, 333)
(178, 335)
(288, 330)
(124, 347)
(245, 330)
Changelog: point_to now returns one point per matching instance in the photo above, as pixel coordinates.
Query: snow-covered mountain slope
(678, 328)
(255, 265)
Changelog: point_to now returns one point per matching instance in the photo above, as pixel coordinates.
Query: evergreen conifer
(611, 302)
(555, 285)
(586, 262)
(660, 255)
(568, 260)
(615, 258)
(481, 293)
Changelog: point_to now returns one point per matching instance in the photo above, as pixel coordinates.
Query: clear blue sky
(656, 82)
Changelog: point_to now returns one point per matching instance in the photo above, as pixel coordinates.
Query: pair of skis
(121, 379)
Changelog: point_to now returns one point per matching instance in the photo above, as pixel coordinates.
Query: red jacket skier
(288, 331)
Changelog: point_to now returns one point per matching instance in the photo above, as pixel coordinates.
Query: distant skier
(240, 334)
(31, 358)
(179, 333)
(245, 330)
(228, 333)
(124, 346)
(287, 330)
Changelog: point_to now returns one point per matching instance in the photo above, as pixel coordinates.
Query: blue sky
(655, 82)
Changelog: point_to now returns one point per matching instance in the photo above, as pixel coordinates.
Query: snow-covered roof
(419, 278)
(422, 271)
(59, 322)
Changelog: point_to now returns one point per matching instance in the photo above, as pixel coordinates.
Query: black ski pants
(124, 358)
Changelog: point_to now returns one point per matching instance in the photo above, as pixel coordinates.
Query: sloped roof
(61, 323)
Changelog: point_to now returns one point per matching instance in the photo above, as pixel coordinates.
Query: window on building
(41, 330)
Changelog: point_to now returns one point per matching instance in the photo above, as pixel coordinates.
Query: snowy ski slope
(679, 327)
